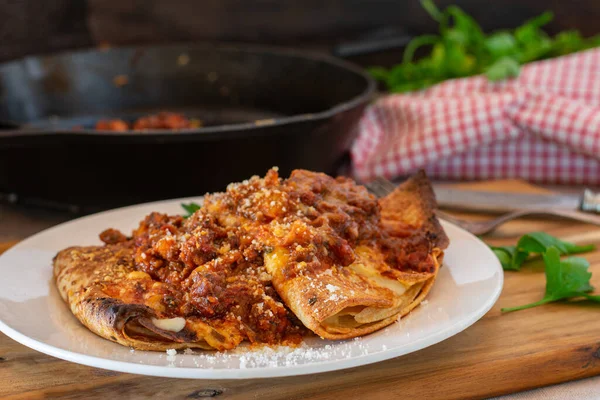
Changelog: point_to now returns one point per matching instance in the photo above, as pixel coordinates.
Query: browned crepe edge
(316, 327)
(108, 317)
(419, 185)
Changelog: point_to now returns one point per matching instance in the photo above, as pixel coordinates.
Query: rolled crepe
(372, 292)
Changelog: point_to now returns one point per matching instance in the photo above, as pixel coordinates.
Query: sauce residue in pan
(162, 120)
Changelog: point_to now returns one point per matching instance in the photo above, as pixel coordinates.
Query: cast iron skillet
(261, 107)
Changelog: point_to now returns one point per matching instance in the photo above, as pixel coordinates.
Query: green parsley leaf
(591, 297)
(571, 41)
(378, 73)
(432, 9)
(530, 32)
(505, 254)
(565, 279)
(190, 209)
(501, 44)
(414, 45)
(519, 258)
(534, 243)
(456, 21)
(505, 67)
(539, 242)
(462, 49)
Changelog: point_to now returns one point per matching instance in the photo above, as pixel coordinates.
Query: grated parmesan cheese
(276, 356)
(332, 288)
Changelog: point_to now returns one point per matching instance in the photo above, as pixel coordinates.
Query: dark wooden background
(33, 26)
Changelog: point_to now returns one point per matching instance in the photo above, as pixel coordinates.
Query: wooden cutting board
(501, 353)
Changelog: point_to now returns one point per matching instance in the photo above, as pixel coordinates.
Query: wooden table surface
(501, 353)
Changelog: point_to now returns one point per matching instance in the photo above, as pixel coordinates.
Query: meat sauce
(215, 257)
(162, 120)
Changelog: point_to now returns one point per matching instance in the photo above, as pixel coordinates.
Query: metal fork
(381, 187)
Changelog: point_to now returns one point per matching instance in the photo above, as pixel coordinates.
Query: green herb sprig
(512, 257)
(190, 209)
(565, 279)
(462, 49)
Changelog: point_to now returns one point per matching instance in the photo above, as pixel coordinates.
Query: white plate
(33, 313)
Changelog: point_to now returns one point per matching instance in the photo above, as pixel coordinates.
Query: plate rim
(246, 373)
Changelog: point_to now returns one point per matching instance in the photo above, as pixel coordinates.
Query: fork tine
(376, 188)
(380, 186)
(386, 183)
(373, 188)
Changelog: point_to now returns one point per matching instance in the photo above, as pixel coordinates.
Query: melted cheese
(372, 274)
(276, 260)
(138, 275)
(170, 324)
(366, 266)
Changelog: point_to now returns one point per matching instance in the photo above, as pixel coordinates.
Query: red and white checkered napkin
(543, 126)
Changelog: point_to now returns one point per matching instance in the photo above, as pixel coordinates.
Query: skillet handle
(376, 41)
